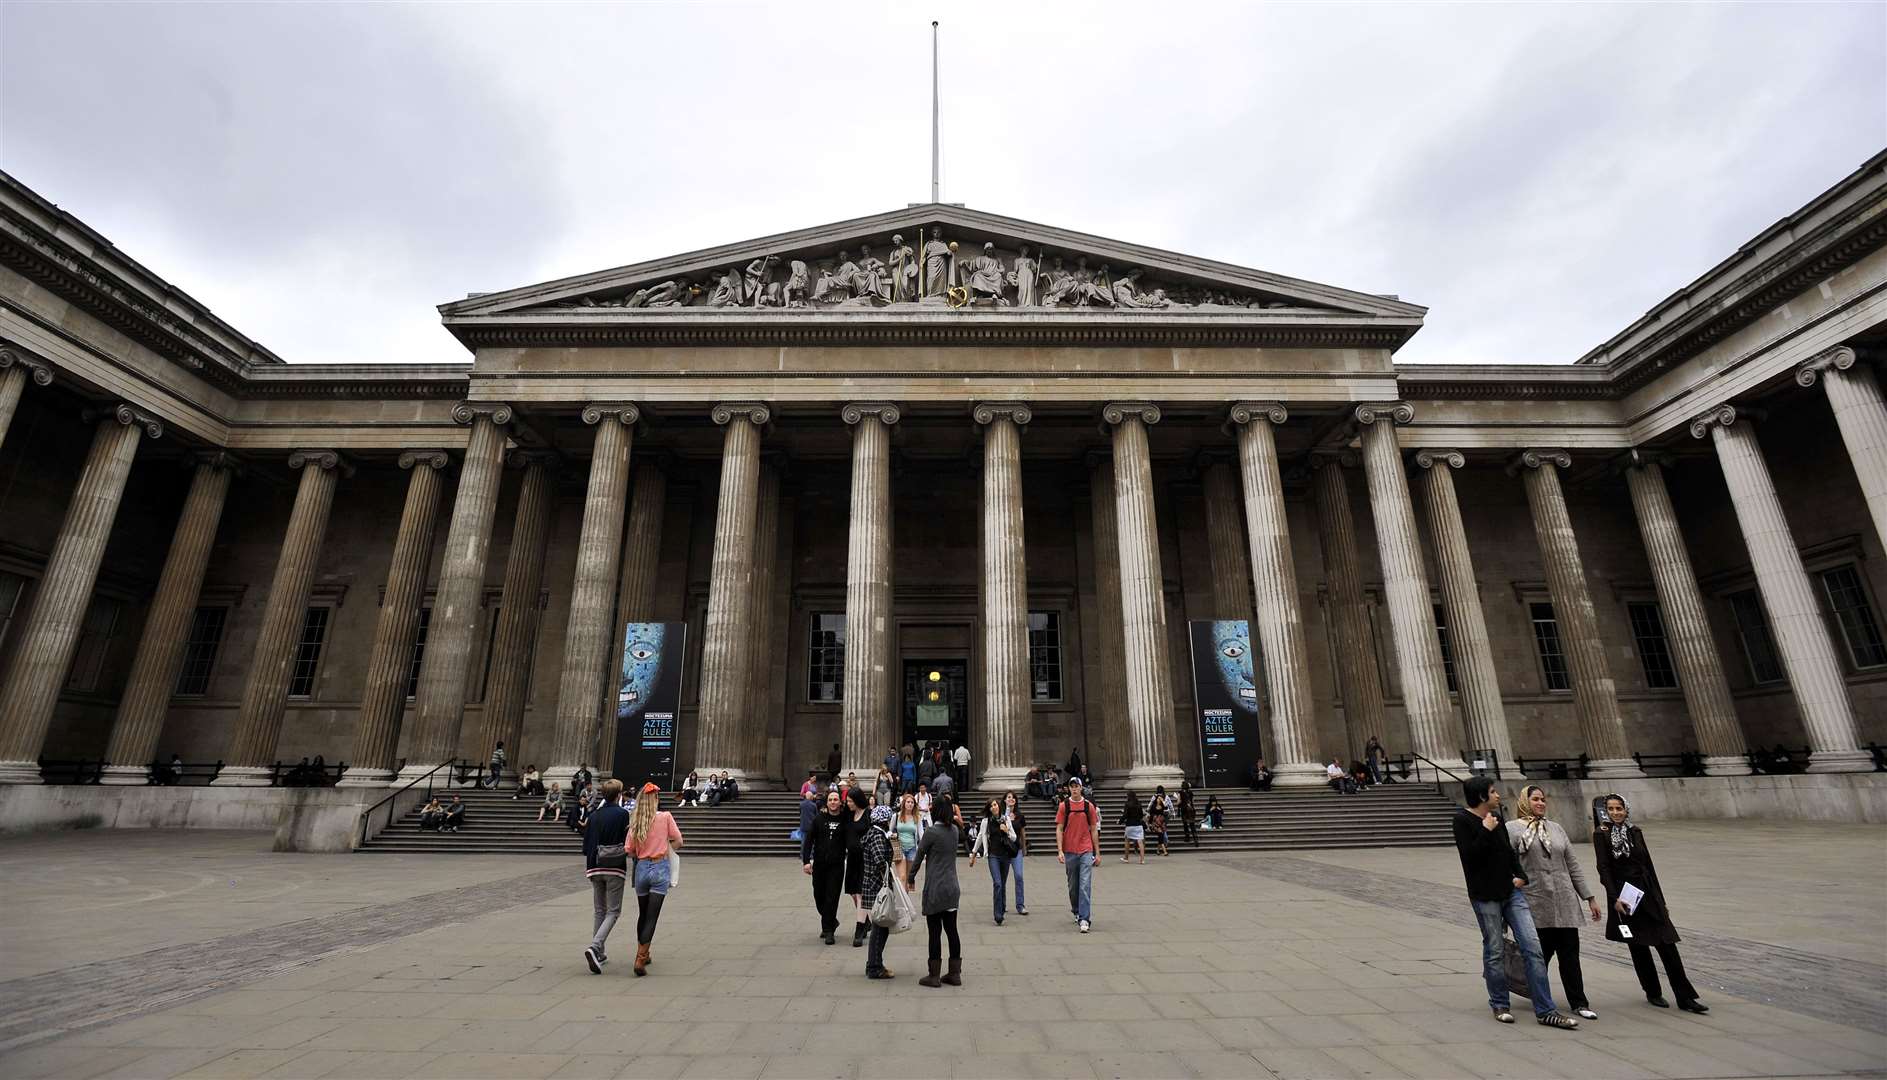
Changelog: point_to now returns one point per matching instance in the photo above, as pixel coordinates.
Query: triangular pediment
(928, 258)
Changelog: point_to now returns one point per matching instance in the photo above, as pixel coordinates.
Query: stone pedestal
(1481, 709)
(1432, 726)
(16, 369)
(146, 701)
(1008, 737)
(1854, 395)
(726, 681)
(272, 665)
(1358, 670)
(518, 609)
(1142, 599)
(451, 638)
(1686, 627)
(1279, 623)
(868, 724)
(1808, 652)
(587, 665)
(383, 704)
(50, 631)
(1108, 698)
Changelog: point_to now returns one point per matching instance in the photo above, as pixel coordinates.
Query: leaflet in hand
(1630, 895)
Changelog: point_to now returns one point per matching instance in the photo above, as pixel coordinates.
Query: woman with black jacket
(822, 850)
(1188, 811)
(938, 848)
(996, 841)
(1624, 859)
(858, 823)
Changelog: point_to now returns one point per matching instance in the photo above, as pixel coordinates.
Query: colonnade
(1131, 698)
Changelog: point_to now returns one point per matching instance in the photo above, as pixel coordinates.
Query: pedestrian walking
(883, 789)
(1625, 861)
(497, 763)
(909, 826)
(652, 835)
(857, 824)
(822, 851)
(1078, 849)
(1019, 824)
(1188, 811)
(1157, 809)
(938, 851)
(1494, 879)
(1555, 886)
(923, 804)
(996, 841)
(881, 859)
(1133, 829)
(962, 760)
(606, 865)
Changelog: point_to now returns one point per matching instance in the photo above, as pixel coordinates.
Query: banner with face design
(1225, 699)
(648, 701)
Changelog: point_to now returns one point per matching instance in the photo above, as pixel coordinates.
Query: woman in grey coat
(1555, 886)
(938, 850)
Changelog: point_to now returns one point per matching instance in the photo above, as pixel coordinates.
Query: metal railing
(391, 801)
(179, 773)
(1781, 760)
(306, 774)
(1554, 768)
(71, 771)
(1686, 763)
(1417, 761)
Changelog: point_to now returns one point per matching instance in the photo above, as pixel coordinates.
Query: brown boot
(931, 979)
(955, 975)
(642, 959)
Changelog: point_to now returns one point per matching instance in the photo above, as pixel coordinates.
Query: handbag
(1515, 967)
(612, 851)
(674, 868)
(893, 909)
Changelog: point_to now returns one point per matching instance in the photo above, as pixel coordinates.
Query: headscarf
(1535, 830)
(1620, 830)
(881, 816)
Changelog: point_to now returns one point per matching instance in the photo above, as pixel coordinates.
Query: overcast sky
(1538, 176)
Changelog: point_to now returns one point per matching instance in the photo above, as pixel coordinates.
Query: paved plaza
(153, 954)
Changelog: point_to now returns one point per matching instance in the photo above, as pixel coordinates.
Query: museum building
(938, 473)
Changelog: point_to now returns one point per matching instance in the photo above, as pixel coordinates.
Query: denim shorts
(651, 876)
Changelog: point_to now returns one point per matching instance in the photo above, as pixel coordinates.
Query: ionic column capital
(754, 412)
(1723, 416)
(218, 459)
(1396, 412)
(1840, 358)
(36, 369)
(433, 459)
(497, 412)
(1640, 458)
(852, 412)
(988, 412)
(525, 457)
(129, 415)
(1115, 413)
(1539, 459)
(1428, 457)
(1342, 459)
(625, 413)
(326, 460)
(1246, 412)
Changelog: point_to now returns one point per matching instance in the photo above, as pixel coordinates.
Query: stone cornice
(403, 382)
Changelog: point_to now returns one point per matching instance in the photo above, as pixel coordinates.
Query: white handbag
(674, 868)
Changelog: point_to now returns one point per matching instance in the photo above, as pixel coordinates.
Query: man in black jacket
(606, 865)
(822, 850)
(1494, 879)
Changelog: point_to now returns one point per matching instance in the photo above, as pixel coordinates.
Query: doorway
(936, 702)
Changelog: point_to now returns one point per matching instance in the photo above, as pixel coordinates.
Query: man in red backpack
(1078, 849)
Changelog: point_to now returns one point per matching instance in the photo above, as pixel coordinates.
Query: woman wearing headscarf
(1624, 859)
(878, 854)
(1555, 886)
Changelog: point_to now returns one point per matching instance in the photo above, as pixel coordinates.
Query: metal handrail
(389, 800)
(1438, 771)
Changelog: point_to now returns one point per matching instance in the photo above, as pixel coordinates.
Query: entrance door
(937, 702)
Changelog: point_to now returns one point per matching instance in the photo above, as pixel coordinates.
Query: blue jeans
(652, 877)
(1513, 912)
(999, 871)
(1080, 870)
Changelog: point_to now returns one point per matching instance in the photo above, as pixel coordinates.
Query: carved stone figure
(986, 276)
(729, 289)
(1127, 295)
(903, 271)
(870, 282)
(757, 282)
(1060, 284)
(797, 281)
(1023, 275)
(939, 261)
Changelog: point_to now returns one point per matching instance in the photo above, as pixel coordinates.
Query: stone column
(586, 660)
(868, 725)
(1595, 693)
(1854, 394)
(272, 666)
(1699, 669)
(1479, 679)
(1358, 671)
(1108, 696)
(512, 638)
(1280, 622)
(51, 630)
(726, 679)
(1432, 726)
(1808, 652)
(1225, 541)
(1008, 736)
(15, 369)
(641, 555)
(452, 635)
(1142, 598)
(146, 701)
(760, 641)
(383, 701)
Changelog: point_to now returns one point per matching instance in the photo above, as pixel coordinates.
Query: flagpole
(935, 187)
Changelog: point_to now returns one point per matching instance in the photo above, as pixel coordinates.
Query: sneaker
(1022, 911)
(1084, 926)
(1559, 1020)
(1586, 1014)
(595, 962)
(1504, 1016)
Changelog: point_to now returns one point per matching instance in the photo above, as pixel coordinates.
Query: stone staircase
(758, 823)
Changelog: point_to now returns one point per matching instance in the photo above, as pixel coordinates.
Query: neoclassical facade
(942, 449)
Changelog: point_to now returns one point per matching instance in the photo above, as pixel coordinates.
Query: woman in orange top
(652, 832)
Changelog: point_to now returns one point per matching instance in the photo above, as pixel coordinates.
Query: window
(314, 631)
(1447, 649)
(1654, 649)
(1044, 656)
(419, 652)
(1752, 629)
(12, 591)
(1552, 653)
(95, 634)
(1848, 601)
(199, 651)
(825, 667)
